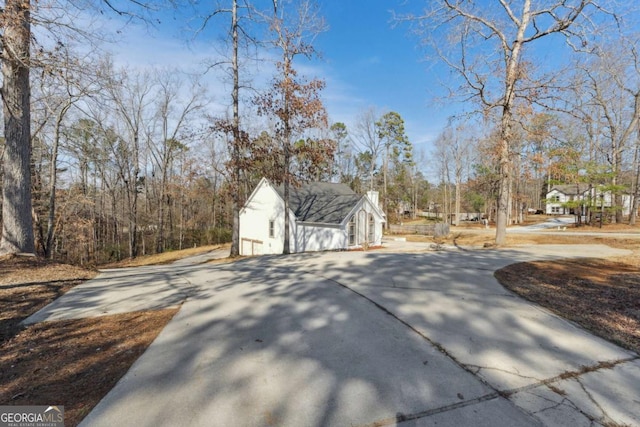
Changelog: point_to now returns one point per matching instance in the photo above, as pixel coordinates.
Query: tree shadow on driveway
(349, 339)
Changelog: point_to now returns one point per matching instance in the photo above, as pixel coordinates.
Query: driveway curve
(385, 337)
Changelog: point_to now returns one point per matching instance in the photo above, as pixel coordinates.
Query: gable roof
(571, 189)
(321, 202)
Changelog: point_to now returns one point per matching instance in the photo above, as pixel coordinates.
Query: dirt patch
(486, 238)
(73, 362)
(163, 258)
(606, 228)
(603, 296)
(27, 284)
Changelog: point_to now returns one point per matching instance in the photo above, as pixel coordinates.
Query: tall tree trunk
(636, 183)
(287, 154)
(617, 197)
(506, 123)
(287, 244)
(53, 177)
(414, 194)
(372, 168)
(502, 214)
(457, 208)
(385, 198)
(17, 223)
(504, 145)
(235, 230)
(131, 188)
(160, 238)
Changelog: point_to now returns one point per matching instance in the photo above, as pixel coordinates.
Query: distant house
(560, 195)
(322, 216)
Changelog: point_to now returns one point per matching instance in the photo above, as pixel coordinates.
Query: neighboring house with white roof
(560, 195)
(322, 216)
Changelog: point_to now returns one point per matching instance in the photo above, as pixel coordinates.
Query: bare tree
(367, 140)
(296, 104)
(16, 19)
(59, 92)
(442, 156)
(498, 80)
(455, 148)
(176, 105)
(130, 98)
(610, 89)
(542, 135)
(237, 136)
(238, 34)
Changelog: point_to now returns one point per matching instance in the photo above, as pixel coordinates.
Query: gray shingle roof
(571, 189)
(321, 202)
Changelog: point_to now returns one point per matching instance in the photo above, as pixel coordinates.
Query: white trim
(319, 224)
(360, 205)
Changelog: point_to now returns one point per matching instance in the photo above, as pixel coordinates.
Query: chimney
(373, 196)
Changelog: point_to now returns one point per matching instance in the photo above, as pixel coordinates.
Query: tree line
(102, 162)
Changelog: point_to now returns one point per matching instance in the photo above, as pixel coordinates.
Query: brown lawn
(73, 363)
(603, 296)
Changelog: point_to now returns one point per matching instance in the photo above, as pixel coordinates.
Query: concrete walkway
(361, 338)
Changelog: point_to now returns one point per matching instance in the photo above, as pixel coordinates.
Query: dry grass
(74, 363)
(601, 295)
(486, 238)
(27, 284)
(478, 236)
(163, 258)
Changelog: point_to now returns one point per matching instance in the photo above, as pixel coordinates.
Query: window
(352, 231)
(272, 229)
(555, 198)
(555, 209)
(372, 229)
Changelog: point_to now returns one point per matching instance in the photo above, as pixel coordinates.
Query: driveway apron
(263, 345)
(549, 367)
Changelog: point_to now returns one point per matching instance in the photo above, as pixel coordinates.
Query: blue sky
(377, 64)
(365, 61)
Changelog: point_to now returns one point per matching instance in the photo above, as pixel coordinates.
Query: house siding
(265, 205)
(311, 238)
(555, 207)
(362, 211)
(558, 198)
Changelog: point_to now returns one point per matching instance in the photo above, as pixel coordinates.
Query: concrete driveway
(365, 338)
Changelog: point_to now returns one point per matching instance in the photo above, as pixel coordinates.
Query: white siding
(264, 206)
(362, 211)
(311, 238)
(626, 204)
(555, 206)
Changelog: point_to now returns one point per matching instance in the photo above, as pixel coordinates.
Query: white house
(561, 194)
(322, 216)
